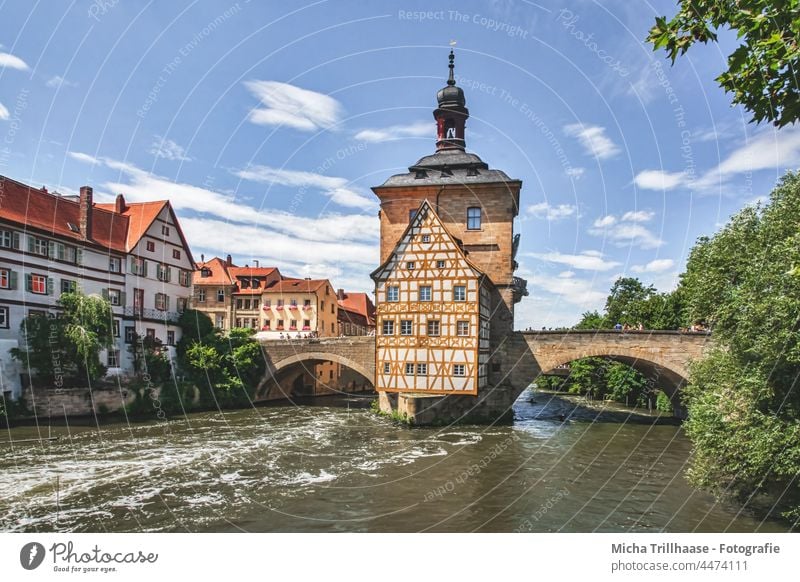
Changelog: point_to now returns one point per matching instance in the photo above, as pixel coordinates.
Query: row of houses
(135, 255)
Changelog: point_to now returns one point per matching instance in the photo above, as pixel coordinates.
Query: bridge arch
(318, 357)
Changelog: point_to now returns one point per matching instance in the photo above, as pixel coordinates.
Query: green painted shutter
(79, 256)
(15, 240)
(61, 250)
(122, 298)
(50, 282)
(28, 282)
(166, 302)
(30, 244)
(144, 269)
(133, 264)
(105, 294)
(12, 279)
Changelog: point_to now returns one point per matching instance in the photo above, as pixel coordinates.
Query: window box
(306, 328)
(308, 307)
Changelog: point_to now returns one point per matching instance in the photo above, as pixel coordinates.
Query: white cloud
(769, 150)
(4, 114)
(638, 216)
(570, 289)
(575, 173)
(10, 61)
(338, 189)
(85, 158)
(594, 140)
(660, 180)
(545, 210)
(627, 231)
(587, 260)
(605, 221)
(168, 149)
(285, 104)
(629, 234)
(58, 81)
(331, 228)
(418, 129)
(655, 266)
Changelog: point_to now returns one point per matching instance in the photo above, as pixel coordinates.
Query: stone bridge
(662, 356)
(284, 356)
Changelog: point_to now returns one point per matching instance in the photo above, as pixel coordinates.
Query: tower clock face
(451, 133)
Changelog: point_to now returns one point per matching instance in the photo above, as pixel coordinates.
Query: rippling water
(335, 466)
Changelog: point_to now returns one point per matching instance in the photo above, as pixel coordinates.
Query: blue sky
(267, 123)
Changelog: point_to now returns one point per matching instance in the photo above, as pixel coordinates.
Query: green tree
(66, 348)
(627, 300)
(743, 398)
(592, 320)
(763, 71)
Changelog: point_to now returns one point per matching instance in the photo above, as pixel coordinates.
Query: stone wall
(82, 401)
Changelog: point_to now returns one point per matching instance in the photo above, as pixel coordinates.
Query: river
(336, 466)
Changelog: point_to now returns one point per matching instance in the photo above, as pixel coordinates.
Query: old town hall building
(445, 290)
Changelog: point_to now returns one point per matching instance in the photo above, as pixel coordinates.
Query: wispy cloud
(627, 230)
(575, 173)
(58, 81)
(168, 150)
(338, 189)
(638, 216)
(12, 62)
(4, 114)
(655, 266)
(285, 104)
(594, 140)
(551, 212)
(85, 158)
(770, 149)
(586, 260)
(418, 129)
(573, 290)
(140, 185)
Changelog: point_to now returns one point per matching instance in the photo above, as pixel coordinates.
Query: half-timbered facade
(432, 313)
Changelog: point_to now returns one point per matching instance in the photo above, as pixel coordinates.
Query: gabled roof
(359, 303)
(40, 210)
(251, 271)
(421, 215)
(140, 216)
(219, 273)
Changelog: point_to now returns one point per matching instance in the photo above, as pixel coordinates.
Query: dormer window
(205, 272)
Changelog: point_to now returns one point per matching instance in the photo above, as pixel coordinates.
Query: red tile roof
(359, 303)
(51, 213)
(41, 210)
(290, 285)
(219, 273)
(140, 216)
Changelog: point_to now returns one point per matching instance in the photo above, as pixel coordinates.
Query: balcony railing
(152, 314)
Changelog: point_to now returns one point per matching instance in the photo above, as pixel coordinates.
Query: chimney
(229, 261)
(119, 204)
(202, 258)
(255, 262)
(85, 218)
(340, 294)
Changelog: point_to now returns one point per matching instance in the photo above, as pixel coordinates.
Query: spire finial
(451, 80)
